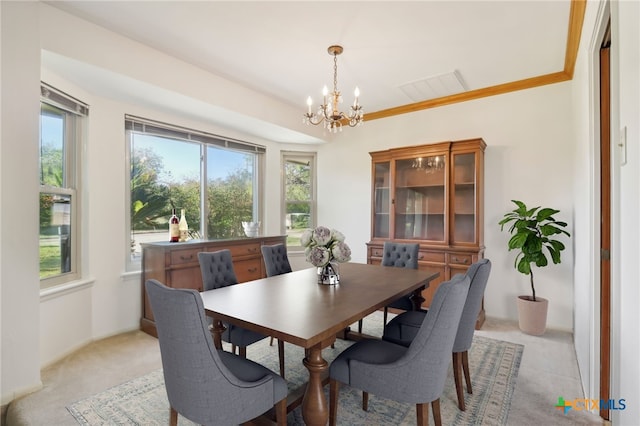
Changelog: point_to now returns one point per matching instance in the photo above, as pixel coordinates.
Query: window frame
(311, 158)
(135, 124)
(75, 114)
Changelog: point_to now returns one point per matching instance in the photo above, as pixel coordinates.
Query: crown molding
(576, 19)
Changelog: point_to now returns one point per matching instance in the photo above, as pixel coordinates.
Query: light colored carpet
(494, 368)
(548, 369)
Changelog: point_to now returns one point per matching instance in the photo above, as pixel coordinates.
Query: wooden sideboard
(176, 265)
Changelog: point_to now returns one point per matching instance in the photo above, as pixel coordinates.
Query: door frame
(604, 281)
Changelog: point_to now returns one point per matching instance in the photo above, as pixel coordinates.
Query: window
(299, 199)
(61, 120)
(215, 181)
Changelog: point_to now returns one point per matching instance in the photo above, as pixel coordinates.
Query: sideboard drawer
(243, 250)
(248, 270)
(181, 257)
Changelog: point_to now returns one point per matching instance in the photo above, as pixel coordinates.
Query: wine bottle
(183, 227)
(174, 231)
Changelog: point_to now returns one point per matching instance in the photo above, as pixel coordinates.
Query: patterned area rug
(494, 368)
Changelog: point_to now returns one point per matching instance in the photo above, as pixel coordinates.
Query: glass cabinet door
(381, 200)
(464, 193)
(419, 205)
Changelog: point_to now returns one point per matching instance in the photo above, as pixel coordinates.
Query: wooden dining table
(295, 308)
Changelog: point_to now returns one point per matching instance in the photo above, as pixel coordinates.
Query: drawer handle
(465, 260)
(252, 250)
(252, 270)
(421, 256)
(186, 258)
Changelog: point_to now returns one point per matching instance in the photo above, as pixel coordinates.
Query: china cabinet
(431, 195)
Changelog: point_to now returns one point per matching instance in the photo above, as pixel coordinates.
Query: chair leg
(360, 326)
(435, 407)
(233, 349)
(334, 390)
(465, 368)
(242, 351)
(271, 341)
(281, 356)
(281, 412)
(422, 414)
(365, 401)
(384, 316)
(457, 371)
(173, 417)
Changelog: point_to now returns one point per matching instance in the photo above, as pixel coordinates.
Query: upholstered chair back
(276, 261)
(217, 269)
(478, 273)
(400, 255)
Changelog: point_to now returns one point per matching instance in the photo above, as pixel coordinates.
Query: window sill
(63, 289)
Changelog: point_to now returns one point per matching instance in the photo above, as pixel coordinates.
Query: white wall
(19, 279)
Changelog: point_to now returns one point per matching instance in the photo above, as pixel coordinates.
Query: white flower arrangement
(323, 245)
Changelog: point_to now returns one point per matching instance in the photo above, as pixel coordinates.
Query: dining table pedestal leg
(417, 299)
(216, 330)
(314, 404)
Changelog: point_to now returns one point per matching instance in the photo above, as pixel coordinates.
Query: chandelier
(429, 164)
(328, 113)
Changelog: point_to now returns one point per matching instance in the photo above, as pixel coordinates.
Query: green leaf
(531, 212)
(520, 205)
(517, 241)
(550, 230)
(545, 213)
(524, 266)
(541, 260)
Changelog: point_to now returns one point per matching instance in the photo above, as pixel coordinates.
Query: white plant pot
(532, 316)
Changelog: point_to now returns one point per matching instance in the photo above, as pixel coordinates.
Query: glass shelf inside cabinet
(381, 200)
(464, 190)
(420, 207)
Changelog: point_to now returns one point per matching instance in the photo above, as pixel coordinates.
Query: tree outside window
(215, 184)
(299, 195)
(60, 125)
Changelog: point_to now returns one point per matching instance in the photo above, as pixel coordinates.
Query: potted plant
(533, 233)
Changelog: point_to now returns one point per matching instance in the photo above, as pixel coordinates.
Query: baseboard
(7, 398)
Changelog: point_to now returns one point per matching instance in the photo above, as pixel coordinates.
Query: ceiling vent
(434, 87)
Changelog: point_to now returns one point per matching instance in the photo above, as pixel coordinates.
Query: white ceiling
(280, 48)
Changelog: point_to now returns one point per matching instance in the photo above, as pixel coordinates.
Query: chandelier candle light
(329, 112)
(324, 248)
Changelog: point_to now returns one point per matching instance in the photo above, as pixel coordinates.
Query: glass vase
(329, 274)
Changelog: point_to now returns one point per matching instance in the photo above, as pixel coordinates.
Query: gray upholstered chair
(403, 328)
(399, 255)
(276, 262)
(203, 384)
(414, 374)
(217, 271)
